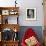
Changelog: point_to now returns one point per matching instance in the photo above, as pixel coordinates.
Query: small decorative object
(15, 3)
(15, 36)
(31, 14)
(5, 12)
(13, 12)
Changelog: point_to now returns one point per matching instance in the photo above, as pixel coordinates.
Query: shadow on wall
(37, 29)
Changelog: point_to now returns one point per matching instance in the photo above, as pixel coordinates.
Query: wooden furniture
(5, 12)
(11, 26)
(44, 4)
(10, 43)
(44, 35)
(0, 43)
(8, 11)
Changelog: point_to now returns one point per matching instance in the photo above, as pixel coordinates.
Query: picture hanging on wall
(31, 14)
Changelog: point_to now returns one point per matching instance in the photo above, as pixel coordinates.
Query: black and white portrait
(31, 14)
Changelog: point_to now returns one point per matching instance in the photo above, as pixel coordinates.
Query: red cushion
(29, 33)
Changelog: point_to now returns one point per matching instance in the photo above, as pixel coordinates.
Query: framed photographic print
(5, 12)
(31, 14)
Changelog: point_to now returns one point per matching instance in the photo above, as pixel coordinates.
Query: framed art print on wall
(31, 14)
(5, 12)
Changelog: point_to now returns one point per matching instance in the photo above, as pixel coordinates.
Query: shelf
(12, 14)
(9, 11)
(10, 26)
(11, 41)
(5, 8)
(5, 12)
(6, 24)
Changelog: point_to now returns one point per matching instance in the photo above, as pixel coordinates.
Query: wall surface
(39, 12)
(23, 4)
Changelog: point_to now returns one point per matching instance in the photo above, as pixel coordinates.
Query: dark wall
(37, 29)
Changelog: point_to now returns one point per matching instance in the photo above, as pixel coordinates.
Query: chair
(29, 33)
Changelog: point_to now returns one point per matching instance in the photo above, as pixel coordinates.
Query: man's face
(30, 12)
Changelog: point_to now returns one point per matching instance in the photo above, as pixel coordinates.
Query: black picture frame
(31, 14)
